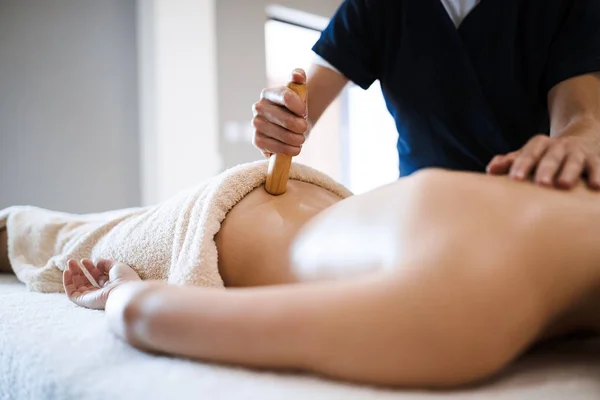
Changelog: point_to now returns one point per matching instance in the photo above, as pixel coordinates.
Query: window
(355, 140)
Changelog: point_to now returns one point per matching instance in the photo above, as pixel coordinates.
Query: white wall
(68, 104)
(179, 114)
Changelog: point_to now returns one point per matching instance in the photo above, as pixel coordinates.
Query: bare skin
(282, 216)
(461, 274)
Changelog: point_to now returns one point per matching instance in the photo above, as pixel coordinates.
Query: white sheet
(51, 349)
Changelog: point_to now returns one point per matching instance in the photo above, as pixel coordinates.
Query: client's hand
(106, 273)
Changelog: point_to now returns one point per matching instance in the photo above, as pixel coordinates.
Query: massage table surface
(52, 349)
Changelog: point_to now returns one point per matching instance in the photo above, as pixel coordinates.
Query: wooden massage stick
(278, 172)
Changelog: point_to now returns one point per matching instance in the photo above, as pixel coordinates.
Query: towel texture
(172, 241)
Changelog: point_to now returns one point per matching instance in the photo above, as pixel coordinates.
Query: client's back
(479, 254)
(454, 218)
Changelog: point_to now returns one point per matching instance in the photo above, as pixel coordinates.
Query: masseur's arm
(574, 107)
(281, 120)
(573, 147)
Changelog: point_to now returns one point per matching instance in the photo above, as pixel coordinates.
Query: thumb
(298, 76)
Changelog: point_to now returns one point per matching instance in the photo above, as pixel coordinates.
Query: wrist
(586, 130)
(123, 307)
(581, 126)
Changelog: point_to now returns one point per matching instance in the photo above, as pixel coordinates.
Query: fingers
(298, 76)
(262, 141)
(275, 133)
(93, 270)
(73, 267)
(285, 97)
(278, 116)
(76, 275)
(88, 269)
(82, 276)
(276, 130)
(593, 171)
(98, 271)
(267, 128)
(500, 165)
(104, 265)
(75, 284)
(79, 288)
(572, 170)
(529, 157)
(68, 282)
(550, 165)
(559, 162)
(280, 119)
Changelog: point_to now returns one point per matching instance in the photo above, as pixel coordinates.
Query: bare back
(523, 236)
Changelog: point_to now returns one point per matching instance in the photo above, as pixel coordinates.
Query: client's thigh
(254, 240)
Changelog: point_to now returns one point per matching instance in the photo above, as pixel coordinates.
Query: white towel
(172, 241)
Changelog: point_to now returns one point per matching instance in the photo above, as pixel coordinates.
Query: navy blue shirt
(461, 96)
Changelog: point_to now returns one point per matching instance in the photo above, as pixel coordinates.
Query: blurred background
(121, 103)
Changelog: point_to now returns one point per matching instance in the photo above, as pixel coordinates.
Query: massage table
(52, 349)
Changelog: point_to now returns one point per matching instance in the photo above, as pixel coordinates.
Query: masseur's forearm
(323, 86)
(574, 107)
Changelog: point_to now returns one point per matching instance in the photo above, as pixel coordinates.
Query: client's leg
(4, 262)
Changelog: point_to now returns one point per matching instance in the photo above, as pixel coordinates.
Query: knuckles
(258, 141)
(257, 108)
(288, 97)
(294, 124)
(257, 123)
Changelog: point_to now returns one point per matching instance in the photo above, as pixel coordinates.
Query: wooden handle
(278, 172)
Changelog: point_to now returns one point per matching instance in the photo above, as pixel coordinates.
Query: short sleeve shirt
(459, 96)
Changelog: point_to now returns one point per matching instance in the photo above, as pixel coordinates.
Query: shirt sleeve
(353, 40)
(576, 46)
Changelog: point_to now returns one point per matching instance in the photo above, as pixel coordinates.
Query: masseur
(504, 85)
(439, 279)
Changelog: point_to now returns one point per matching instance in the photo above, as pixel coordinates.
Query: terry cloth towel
(172, 241)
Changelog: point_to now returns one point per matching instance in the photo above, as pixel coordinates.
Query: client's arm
(388, 328)
(346, 329)
(379, 329)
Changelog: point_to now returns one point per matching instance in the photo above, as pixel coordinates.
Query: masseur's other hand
(558, 162)
(280, 119)
(108, 274)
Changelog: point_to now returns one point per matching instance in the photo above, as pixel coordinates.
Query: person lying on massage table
(437, 280)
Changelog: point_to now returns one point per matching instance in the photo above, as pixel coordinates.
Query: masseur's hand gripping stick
(278, 172)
